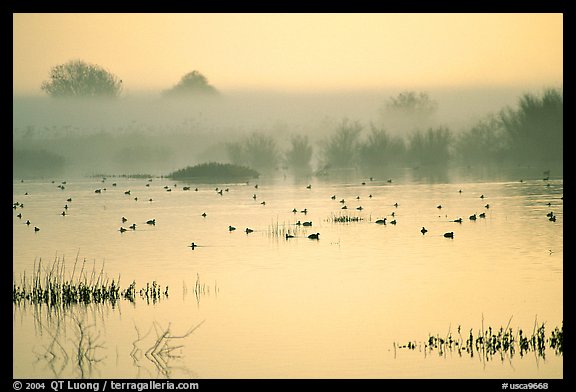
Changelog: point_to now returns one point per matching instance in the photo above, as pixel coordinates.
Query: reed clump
(490, 342)
(51, 287)
(344, 219)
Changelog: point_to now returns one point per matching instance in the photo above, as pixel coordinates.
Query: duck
(193, 245)
(307, 223)
(314, 236)
(449, 234)
(124, 219)
(423, 230)
(381, 221)
(122, 229)
(133, 226)
(151, 222)
(231, 228)
(248, 230)
(459, 220)
(289, 236)
(393, 222)
(204, 215)
(36, 228)
(472, 217)
(482, 215)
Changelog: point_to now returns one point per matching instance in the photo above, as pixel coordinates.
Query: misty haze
(152, 134)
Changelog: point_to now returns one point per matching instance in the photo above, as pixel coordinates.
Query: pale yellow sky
(295, 52)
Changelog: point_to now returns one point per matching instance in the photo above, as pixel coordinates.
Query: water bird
(193, 245)
(127, 192)
(248, 230)
(393, 222)
(307, 224)
(122, 229)
(231, 228)
(333, 197)
(344, 208)
(472, 217)
(294, 210)
(309, 186)
(133, 226)
(19, 215)
(186, 188)
(204, 214)
(449, 234)
(459, 220)
(482, 215)
(304, 211)
(487, 206)
(254, 196)
(482, 196)
(63, 213)
(28, 222)
(263, 203)
(342, 201)
(69, 199)
(423, 230)
(124, 220)
(289, 236)
(552, 218)
(359, 208)
(151, 221)
(396, 205)
(550, 214)
(381, 221)
(65, 206)
(36, 228)
(98, 191)
(439, 206)
(314, 236)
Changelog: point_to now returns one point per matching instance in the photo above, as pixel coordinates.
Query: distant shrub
(36, 163)
(213, 171)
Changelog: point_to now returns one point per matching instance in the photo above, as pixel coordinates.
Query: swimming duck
(314, 236)
(450, 234)
(381, 221)
(151, 222)
(122, 229)
(423, 230)
(231, 228)
(248, 230)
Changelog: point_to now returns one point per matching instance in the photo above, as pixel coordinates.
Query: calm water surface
(272, 307)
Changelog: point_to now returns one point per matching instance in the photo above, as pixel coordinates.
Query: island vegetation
(214, 171)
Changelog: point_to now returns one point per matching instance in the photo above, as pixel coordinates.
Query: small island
(214, 172)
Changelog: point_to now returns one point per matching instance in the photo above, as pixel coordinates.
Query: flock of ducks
(314, 236)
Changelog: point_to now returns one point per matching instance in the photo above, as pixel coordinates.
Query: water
(272, 307)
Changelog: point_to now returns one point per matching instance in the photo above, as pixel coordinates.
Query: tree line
(530, 132)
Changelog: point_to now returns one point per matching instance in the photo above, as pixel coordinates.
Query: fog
(148, 133)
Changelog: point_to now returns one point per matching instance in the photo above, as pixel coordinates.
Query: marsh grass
(490, 342)
(53, 287)
(282, 230)
(344, 218)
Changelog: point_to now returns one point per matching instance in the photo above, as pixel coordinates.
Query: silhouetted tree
(484, 142)
(299, 155)
(191, 84)
(77, 78)
(430, 148)
(340, 149)
(408, 111)
(535, 130)
(257, 151)
(380, 149)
